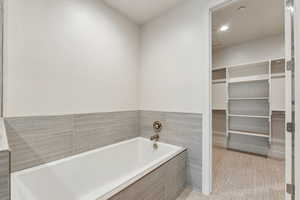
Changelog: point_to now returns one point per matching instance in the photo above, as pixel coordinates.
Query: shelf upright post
(270, 103)
(227, 107)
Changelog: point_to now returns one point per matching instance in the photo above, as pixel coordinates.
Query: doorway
(248, 99)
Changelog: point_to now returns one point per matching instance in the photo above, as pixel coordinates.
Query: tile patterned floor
(240, 176)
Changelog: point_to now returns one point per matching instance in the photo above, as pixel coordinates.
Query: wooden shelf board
(219, 109)
(250, 116)
(279, 58)
(218, 68)
(249, 133)
(219, 81)
(249, 98)
(251, 63)
(277, 75)
(249, 78)
(221, 133)
(277, 110)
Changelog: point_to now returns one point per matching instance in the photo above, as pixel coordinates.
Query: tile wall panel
(183, 129)
(38, 140)
(4, 175)
(154, 187)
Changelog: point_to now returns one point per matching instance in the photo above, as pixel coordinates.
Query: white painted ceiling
(260, 18)
(140, 11)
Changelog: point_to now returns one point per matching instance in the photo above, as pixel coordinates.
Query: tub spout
(154, 137)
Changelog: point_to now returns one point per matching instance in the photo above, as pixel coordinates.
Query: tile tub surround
(153, 186)
(4, 164)
(182, 129)
(38, 140)
(4, 175)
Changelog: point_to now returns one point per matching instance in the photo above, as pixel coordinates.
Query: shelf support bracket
(290, 189)
(290, 127)
(290, 65)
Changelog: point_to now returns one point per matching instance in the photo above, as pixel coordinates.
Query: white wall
(261, 49)
(174, 68)
(1, 54)
(67, 56)
(175, 72)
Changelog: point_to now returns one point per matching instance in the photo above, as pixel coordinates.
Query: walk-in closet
(248, 106)
(248, 95)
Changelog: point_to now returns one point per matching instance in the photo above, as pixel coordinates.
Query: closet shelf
(239, 87)
(219, 81)
(248, 98)
(277, 75)
(248, 64)
(264, 62)
(249, 116)
(218, 68)
(261, 77)
(219, 109)
(249, 133)
(278, 110)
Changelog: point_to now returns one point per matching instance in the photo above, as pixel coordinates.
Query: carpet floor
(240, 176)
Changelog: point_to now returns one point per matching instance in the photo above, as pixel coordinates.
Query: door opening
(251, 89)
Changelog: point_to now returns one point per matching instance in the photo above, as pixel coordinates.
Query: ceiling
(259, 19)
(140, 11)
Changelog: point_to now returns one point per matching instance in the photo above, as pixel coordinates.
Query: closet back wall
(256, 50)
(66, 57)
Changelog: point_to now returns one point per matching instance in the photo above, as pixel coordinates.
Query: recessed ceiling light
(224, 28)
(291, 8)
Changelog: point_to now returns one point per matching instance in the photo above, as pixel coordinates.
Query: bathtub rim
(82, 154)
(147, 169)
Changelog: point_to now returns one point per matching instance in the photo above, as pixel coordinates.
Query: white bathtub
(93, 175)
